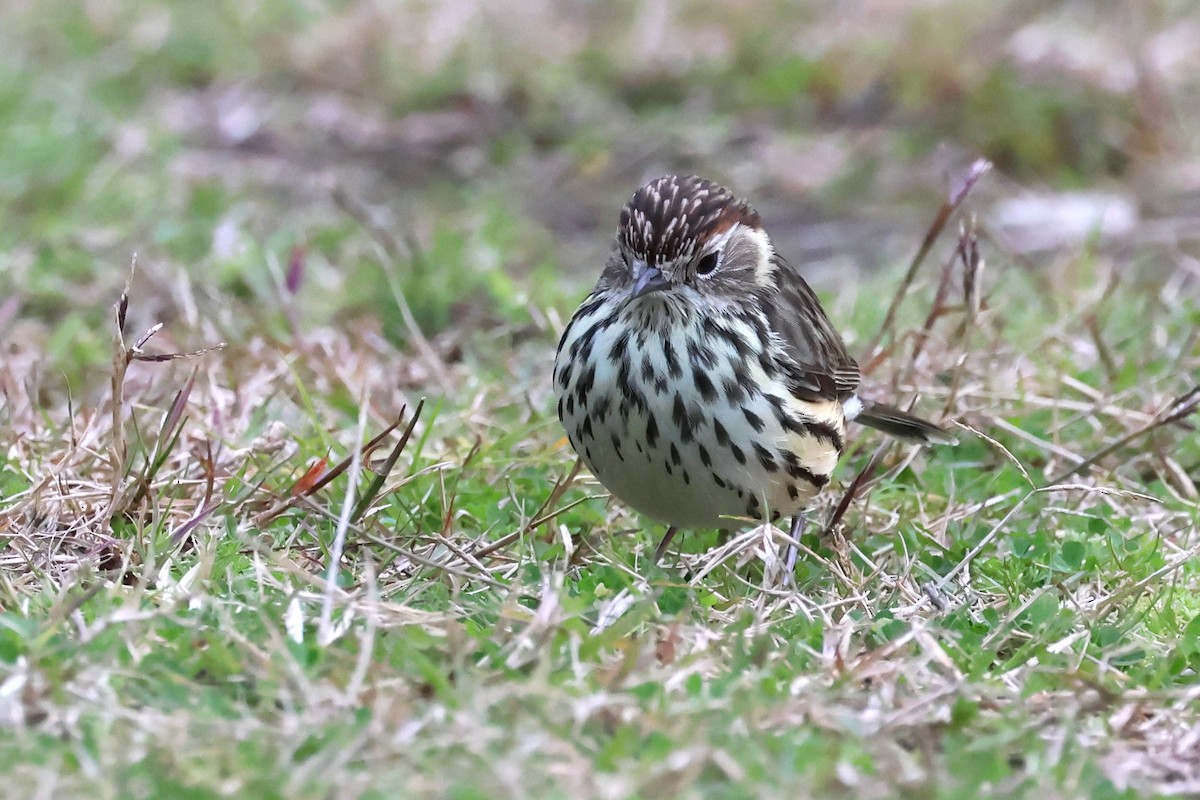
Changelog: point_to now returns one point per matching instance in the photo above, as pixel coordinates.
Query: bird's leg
(661, 550)
(796, 531)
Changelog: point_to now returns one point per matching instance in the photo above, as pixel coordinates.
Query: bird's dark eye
(706, 264)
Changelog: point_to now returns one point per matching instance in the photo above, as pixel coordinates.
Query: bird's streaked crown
(672, 217)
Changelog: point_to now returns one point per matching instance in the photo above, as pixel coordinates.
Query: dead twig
(539, 516)
(124, 355)
(955, 199)
(318, 478)
(856, 486)
(376, 485)
(1179, 408)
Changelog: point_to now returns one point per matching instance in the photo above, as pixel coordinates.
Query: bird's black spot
(717, 480)
(764, 458)
(722, 434)
(704, 458)
(736, 341)
(673, 367)
(801, 472)
(570, 404)
(737, 453)
(647, 369)
(759, 325)
(626, 387)
(585, 341)
(585, 430)
(617, 351)
(600, 409)
(686, 478)
(754, 419)
(822, 431)
(560, 410)
(827, 433)
(588, 307)
(766, 362)
(675, 459)
(586, 381)
(651, 432)
(793, 492)
(704, 385)
(735, 390)
(616, 443)
(700, 355)
(781, 414)
(660, 385)
(683, 420)
(792, 424)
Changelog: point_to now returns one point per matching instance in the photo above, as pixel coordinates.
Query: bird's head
(690, 239)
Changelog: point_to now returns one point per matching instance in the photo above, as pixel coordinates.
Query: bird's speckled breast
(682, 415)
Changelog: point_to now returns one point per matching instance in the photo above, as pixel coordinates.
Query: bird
(701, 381)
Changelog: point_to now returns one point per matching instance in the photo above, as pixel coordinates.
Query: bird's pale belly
(689, 429)
(683, 491)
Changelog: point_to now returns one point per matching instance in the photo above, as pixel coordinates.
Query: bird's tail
(903, 425)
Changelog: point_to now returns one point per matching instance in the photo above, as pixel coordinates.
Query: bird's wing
(821, 369)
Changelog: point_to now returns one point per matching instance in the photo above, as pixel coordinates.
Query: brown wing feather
(821, 366)
(903, 425)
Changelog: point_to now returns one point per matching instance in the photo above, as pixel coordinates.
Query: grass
(349, 553)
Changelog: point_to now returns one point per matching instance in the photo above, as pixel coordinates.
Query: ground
(320, 534)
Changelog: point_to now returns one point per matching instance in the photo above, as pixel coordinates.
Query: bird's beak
(647, 279)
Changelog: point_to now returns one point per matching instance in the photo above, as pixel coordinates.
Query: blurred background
(378, 201)
(301, 164)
